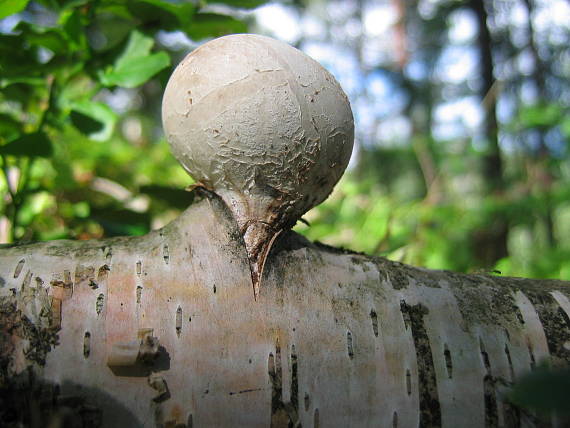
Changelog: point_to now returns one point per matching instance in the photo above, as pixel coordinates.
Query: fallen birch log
(163, 330)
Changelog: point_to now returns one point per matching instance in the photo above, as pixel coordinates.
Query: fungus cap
(261, 124)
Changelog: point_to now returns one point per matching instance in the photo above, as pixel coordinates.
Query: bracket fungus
(263, 126)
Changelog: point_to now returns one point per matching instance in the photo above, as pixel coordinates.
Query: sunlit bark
(163, 330)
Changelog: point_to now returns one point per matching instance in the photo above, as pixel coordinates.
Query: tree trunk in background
(420, 107)
(163, 330)
(490, 245)
(543, 176)
(400, 34)
(493, 166)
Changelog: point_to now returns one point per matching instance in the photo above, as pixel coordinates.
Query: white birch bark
(335, 339)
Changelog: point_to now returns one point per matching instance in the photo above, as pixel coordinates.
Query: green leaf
(71, 22)
(77, 89)
(138, 46)
(9, 127)
(94, 119)
(213, 25)
(37, 144)
(108, 30)
(49, 38)
(544, 390)
(242, 4)
(136, 64)
(17, 57)
(71, 4)
(32, 81)
(86, 124)
(540, 115)
(10, 7)
(161, 14)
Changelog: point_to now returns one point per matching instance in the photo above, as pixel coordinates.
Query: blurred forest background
(462, 115)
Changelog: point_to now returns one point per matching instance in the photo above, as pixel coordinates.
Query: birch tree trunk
(163, 330)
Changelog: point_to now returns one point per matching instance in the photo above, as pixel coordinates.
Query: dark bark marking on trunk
(283, 415)
(491, 412)
(556, 326)
(395, 420)
(485, 356)
(316, 422)
(531, 355)
(271, 366)
(86, 344)
(448, 362)
(294, 380)
(405, 314)
(166, 254)
(510, 361)
(139, 293)
(99, 303)
(276, 378)
(244, 391)
(349, 346)
(103, 273)
(19, 268)
(398, 278)
(178, 321)
(108, 252)
(374, 319)
(430, 410)
(489, 393)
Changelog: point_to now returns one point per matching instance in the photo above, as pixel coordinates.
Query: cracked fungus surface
(250, 114)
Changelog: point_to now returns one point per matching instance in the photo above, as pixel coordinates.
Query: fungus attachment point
(263, 126)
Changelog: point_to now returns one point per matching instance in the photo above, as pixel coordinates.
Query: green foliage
(94, 119)
(9, 7)
(243, 4)
(32, 145)
(545, 391)
(208, 24)
(72, 166)
(384, 207)
(540, 115)
(136, 64)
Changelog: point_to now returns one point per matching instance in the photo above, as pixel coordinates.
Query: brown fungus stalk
(262, 125)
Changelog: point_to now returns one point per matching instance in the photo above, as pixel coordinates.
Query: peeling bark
(163, 330)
